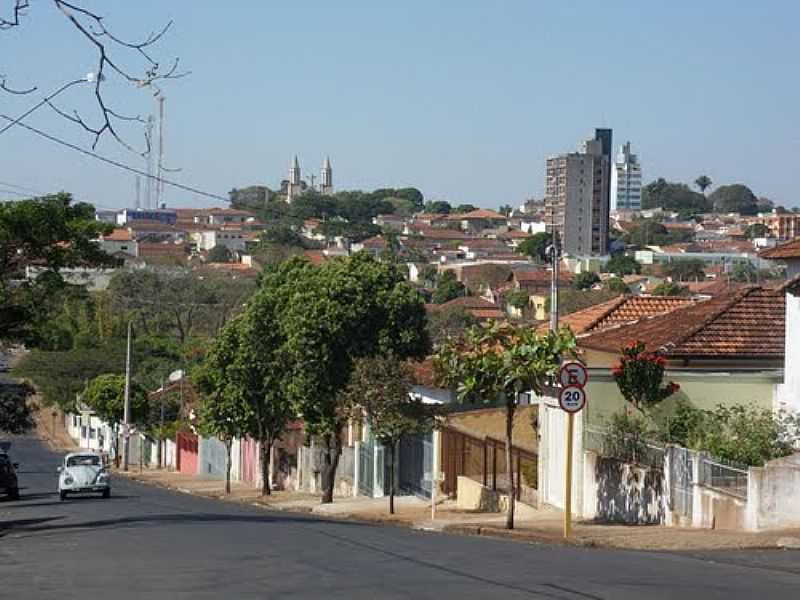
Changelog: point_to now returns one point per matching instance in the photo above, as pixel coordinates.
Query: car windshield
(83, 461)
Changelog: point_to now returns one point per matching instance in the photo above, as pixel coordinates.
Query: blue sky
(463, 99)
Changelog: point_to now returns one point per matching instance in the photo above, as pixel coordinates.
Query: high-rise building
(326, 177)
(577, 197)
(626, 181)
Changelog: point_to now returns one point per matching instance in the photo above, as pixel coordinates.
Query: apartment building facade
(626, 181)
(577, 202)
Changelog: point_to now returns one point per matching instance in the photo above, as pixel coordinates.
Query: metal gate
(366, 467)
(680, 482)
(415, 459)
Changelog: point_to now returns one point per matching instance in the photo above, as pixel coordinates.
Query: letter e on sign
(573, 373)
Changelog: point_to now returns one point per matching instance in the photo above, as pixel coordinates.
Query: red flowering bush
(639, 376)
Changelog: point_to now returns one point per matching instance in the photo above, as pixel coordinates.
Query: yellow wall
(701, 390)
(491, 422)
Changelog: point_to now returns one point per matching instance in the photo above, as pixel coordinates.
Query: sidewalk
(538, 526)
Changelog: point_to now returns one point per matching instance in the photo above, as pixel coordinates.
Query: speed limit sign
(572, 398)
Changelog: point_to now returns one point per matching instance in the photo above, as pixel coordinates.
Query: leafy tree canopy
(585, 280)
(220, 254)
(622, 264)
(449, 322)
(734, 198)
(464, 208)
(535, 246)
(689, 269)
(756, 230)
(673, 196)
(669, 288)
(448, 288)
(616, 285)
(105, 394)
(15, 412)
(438, 206)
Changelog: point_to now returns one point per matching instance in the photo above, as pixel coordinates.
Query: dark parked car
(8, 477)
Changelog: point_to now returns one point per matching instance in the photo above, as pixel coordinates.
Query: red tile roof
(787, 250)
(620, 310)
(480, 213)
(118, 235)
(477, 307)
(748, 324)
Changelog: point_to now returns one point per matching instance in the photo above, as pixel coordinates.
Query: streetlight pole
(126, 413)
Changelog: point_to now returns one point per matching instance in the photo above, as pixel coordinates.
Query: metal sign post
(572, 399)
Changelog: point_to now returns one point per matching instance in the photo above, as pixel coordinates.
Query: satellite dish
(176, 376)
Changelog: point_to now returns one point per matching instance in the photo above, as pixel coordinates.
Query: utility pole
(126, 414)
(148, 184)
(161, 423)
(554, 254)
(160, 165)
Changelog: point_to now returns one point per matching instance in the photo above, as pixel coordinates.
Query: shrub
(639, 376)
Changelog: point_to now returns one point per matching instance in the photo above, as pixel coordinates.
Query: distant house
(481, 309)
(788, 253)
(374, 245)
(162, 215)
(120, 241)
(482, 248)
(234, 240)
(479, 220)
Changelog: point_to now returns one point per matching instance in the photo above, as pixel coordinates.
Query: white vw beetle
(83, 472)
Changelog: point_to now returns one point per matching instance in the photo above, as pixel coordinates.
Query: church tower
(326, 177)
(294, 188)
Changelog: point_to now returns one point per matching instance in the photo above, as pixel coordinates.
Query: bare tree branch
(92, 27)
(19, 11)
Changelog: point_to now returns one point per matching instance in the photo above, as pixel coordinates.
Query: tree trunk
(265, 450)
(509, 465)
(330, 463)
(228, 465)
(391, 478)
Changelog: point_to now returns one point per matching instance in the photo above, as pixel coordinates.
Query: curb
(518, 536)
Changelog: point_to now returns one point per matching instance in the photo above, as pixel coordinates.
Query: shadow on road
(41, 525)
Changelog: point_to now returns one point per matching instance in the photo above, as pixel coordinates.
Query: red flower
(673, 387)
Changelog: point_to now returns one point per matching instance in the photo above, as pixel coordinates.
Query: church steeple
(326, 177)
(294, 171)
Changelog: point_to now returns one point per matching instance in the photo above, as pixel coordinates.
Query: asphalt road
(147, 542)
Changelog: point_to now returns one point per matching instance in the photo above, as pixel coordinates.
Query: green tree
(505, 209)
(449, 322)
(220, 254)
(15, 413)
(639, 375)
(50, 232)
(689, 269)
(105, 395)
(585, 280)
(438, 206)
(519, 299)
(669, 288)
(736, 198)
(703, 182)
(756, 230)
(745, 272)
(673, 196)
(331, 316)
(224, 411)
(622, 264)
(616, 285)
(464, 208)
(498, 363)
(535, 246)
(381, 387)
(448, 288)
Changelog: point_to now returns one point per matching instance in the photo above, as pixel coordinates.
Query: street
(147, 542)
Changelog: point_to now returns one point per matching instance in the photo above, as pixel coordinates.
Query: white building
(626, 181)
(234, 240)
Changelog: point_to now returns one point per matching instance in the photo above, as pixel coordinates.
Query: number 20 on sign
(573, 377)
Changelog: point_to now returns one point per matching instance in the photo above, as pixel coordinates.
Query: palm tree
(703, 182)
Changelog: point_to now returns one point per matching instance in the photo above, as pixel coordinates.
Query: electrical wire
(115, 163)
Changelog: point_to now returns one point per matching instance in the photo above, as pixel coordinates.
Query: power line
(115, 163)
(22, 188)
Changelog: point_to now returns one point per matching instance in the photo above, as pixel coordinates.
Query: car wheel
(14, 494)
(62, 495)
(107, 493)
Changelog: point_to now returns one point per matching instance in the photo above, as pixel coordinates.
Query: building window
(92, 433)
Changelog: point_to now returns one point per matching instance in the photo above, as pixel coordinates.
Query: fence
(629, 448)
(484, 460)
(723, 476)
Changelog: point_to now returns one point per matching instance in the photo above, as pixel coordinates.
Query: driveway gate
(680, 482)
